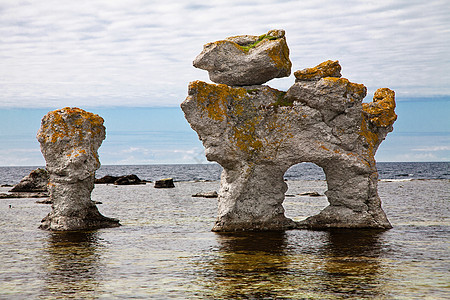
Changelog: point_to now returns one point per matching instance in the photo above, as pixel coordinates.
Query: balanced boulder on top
(246, 59)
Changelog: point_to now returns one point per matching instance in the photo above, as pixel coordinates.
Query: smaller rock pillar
(70, 138)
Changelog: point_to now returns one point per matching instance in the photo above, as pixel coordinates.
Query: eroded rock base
(248, 203)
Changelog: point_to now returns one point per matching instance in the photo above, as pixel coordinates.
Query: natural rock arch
(256, 140)
(256, 133)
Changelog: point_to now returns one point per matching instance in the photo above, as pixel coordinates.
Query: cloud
(432, 149)
(21, 157)
(139, 53)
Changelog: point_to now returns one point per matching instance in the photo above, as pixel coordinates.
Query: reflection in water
(72, 264)
(351, 263)
(247, 265)
(295, 264)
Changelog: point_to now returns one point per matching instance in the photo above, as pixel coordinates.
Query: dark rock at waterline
(34, 182)
(311, 194)
(49, 201)
(129, 180)
(106, 179)
(212, 194)
(44, 201)
(164, 183)
(120, 180)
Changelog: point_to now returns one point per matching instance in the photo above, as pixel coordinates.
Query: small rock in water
(44, 201)
(36, 181)
(129, 180)
(164, 183)
(106, 179)
(120, 180)
(212, 194)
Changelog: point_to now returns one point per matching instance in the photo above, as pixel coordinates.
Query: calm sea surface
(165, 249)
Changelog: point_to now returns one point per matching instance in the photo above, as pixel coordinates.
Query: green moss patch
(260, 39)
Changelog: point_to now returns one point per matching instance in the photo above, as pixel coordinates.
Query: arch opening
(305, 196)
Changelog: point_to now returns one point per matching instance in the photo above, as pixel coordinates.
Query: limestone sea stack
(246, 59)
(69, 139)
(256, 133)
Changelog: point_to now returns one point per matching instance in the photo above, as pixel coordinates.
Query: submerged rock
(34, 182)
(246, 59)
(164, 183)
(70, 138)
(256, 133)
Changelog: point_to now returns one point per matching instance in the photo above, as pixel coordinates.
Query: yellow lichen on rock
(212, 98)
(381, 112)
(377, 114)
(245, 137)
(56, 128)
(370, 137)
(280, 56)
(328, 68)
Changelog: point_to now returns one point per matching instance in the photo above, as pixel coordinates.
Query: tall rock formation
(70, 138)
(256, 133)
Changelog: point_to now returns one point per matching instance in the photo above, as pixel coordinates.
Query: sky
(131, 61)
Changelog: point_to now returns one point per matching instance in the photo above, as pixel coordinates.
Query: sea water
(211, 172)
(165, 249)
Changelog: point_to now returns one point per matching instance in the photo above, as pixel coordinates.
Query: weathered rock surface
(256, 133)
(35, 182)
(70, 138)
(164, 183)
(246, 59)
